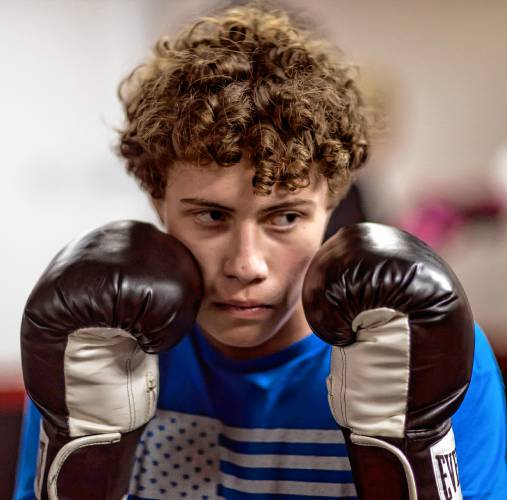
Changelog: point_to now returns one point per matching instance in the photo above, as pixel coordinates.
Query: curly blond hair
(245, 81)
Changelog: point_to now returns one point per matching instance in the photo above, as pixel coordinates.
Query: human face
(253, 250)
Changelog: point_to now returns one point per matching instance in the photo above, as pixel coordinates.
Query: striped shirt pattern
(196, 457)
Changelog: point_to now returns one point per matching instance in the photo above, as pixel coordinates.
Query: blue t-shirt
(262, 428)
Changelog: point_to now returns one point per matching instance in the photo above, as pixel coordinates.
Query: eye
(209, 217)
(285, 220)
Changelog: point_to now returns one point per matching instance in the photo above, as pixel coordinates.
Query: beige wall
(447, 64)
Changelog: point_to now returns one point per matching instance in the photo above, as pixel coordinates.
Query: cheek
(207, 257)
(293, 265)
(309, 244)
(206, 252)
(181, 231)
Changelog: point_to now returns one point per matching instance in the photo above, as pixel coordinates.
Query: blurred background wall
(439, 68)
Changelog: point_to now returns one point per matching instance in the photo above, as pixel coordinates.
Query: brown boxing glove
(403, 337)
(103, 308)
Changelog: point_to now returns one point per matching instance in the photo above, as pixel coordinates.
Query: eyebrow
(202, 202)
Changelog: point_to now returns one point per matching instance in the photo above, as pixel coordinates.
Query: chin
(239, 337)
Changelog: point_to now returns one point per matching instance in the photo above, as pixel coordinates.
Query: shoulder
(484, 358)
(480, 426)
(27, 453)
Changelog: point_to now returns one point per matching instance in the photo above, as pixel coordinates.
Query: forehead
(232, 186)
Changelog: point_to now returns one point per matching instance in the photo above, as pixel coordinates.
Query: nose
(245, 260)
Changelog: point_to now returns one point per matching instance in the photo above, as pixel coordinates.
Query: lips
(244, 310)
(242, 304)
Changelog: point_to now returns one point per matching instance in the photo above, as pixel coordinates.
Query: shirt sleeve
(27, 457)
(480, 429)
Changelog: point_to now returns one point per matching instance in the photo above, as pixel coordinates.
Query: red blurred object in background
(436, 219)
(12, 397)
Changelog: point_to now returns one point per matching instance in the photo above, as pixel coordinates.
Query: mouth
(244, 309)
